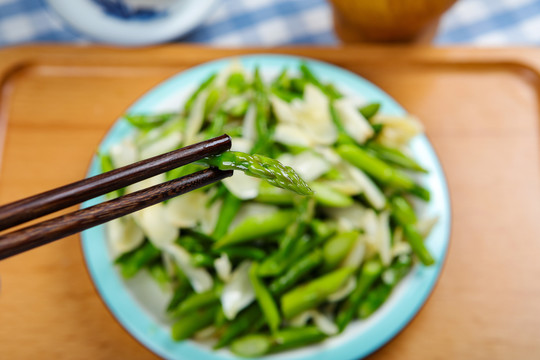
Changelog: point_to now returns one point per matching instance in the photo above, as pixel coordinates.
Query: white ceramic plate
(116, 22)
(139, 304)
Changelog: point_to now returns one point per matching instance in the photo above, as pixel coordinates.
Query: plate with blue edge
(133, 22)
(138, 303)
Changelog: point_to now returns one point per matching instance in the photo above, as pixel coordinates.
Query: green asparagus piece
(389, 279)
(343, 136)
(216, 127)
(202, 259)
(189, 103)
(252, 345)
(257, 226)
(262, 167)
(327, 196)
(402, 211)
(244, 252)
(322, 229)
(313, 293)
(286, 95)
(181, 291)
(369, 110)
(197, 320)
(329, 90)
(265, 300)
(306, 209)
(395, 157)
(291, 338)
(262, 115)
(238, 109)
(158, 273)
(229, 209)
(236, 83)
(380, 170)
(211, 101)
(371, 270)
(336, 249)
(296, 272)
(147, 122)
(132, 262)
(196, 301)
(417, 244)
(240, 325)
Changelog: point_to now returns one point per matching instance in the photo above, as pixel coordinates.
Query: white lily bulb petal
(384, 238)
(348, 218)
(425, 225)
(196, 117)
(344, 291)
(155, 225)
(398, 130)
(242, 186)
(209, 220)
(307, 164)
(354, 123)
(329, 155)
(283, 110)
(223, 267)
(168, 264)
(291, 134)
(315, 116)
(356, 254)
(373, 194)
(324, 323)
(301, 319)
(205, 333)
(124, 153)
(241, 144)
(249, 131)
(123, 235)
(161, 146)
(187, 210)
(238, 292)
(370, 223)
(400, 246)
(198, 277)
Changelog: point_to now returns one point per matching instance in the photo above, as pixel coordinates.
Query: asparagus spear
(254, 345)
(380, 170)
(189, 324)
(395, 157)
(371, 270)
(265, 300)
(313, 293)
(262, 167)
(255, 227)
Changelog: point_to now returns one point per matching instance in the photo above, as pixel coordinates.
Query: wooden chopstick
(33, 207)
(47, 231)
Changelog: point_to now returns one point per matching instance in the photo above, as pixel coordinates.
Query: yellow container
(387, 20)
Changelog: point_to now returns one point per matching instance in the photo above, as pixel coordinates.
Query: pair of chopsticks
(33, 207)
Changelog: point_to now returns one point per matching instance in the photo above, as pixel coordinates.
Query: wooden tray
(480, 108)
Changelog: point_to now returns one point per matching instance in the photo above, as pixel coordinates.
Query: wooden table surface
(480, 109)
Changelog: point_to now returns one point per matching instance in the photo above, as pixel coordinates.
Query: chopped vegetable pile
(256, 267)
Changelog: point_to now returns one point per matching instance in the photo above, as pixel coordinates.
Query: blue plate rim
(317, 66)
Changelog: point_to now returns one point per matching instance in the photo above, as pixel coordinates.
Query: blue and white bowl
(133, 22)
